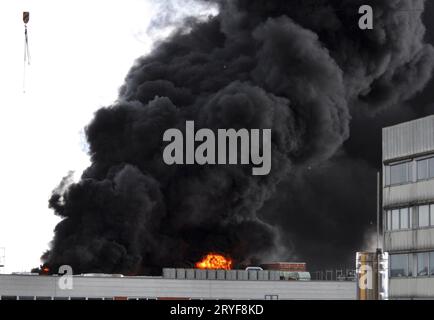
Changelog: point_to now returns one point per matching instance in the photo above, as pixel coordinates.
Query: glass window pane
(399, 173)
(431, 263)
(422, 264)
(395, 219)
(386, 220)
(431, 168)
(404, 218)
(387, 175)
(410, 264)
(432, 215)
(423, 216)
(409, 168)
(410, 217)
(399, 265)
(389, 220)
(422, 169)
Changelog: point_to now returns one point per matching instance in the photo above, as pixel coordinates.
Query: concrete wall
(408, 194)
(409, 240)
(408, 139)
(153, 287)
(411, 288)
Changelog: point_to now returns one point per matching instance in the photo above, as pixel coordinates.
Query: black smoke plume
(302, 68)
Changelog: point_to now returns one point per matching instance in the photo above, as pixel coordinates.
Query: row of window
(412, 265)
(402, 218)
(409, 171)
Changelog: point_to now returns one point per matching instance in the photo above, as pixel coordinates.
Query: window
(398, 219)
(432, 214)
(431, 263)
(387, 175)
(389, 220)
(431, 167)
(425, 169)
(410, 217)
(399, 265)
(399, 173)
(410, 265)
(395, 219)
(423, 214)
(404, 218)
(422, 169)
(401, 219)
(422, 264)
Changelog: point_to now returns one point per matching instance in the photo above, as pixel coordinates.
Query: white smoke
(171, 15)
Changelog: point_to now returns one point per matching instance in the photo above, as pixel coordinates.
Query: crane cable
(26, 17)
(26, 47)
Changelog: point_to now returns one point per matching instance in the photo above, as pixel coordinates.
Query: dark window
(61, 298)
(26, 298)
(422, 264)
(399, 265)
(410, 265)
(78, 298)
(43, 298)
(9, 297)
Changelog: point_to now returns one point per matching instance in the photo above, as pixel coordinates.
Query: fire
(215, 261)
(44, 269)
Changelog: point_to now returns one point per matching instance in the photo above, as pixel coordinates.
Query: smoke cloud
(300, 68)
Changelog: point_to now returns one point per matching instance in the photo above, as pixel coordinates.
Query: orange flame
(215, 261)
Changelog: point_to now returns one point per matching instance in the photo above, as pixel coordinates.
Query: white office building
(408, 208)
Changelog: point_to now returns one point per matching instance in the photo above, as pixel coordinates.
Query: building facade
(408, 208)
(94, 287)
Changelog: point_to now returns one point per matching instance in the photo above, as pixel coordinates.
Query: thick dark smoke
(301, 68)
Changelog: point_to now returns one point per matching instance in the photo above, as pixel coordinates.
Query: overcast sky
(80, 52)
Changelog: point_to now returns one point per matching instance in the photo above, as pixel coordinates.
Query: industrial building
(408, 208)
(173, 286)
